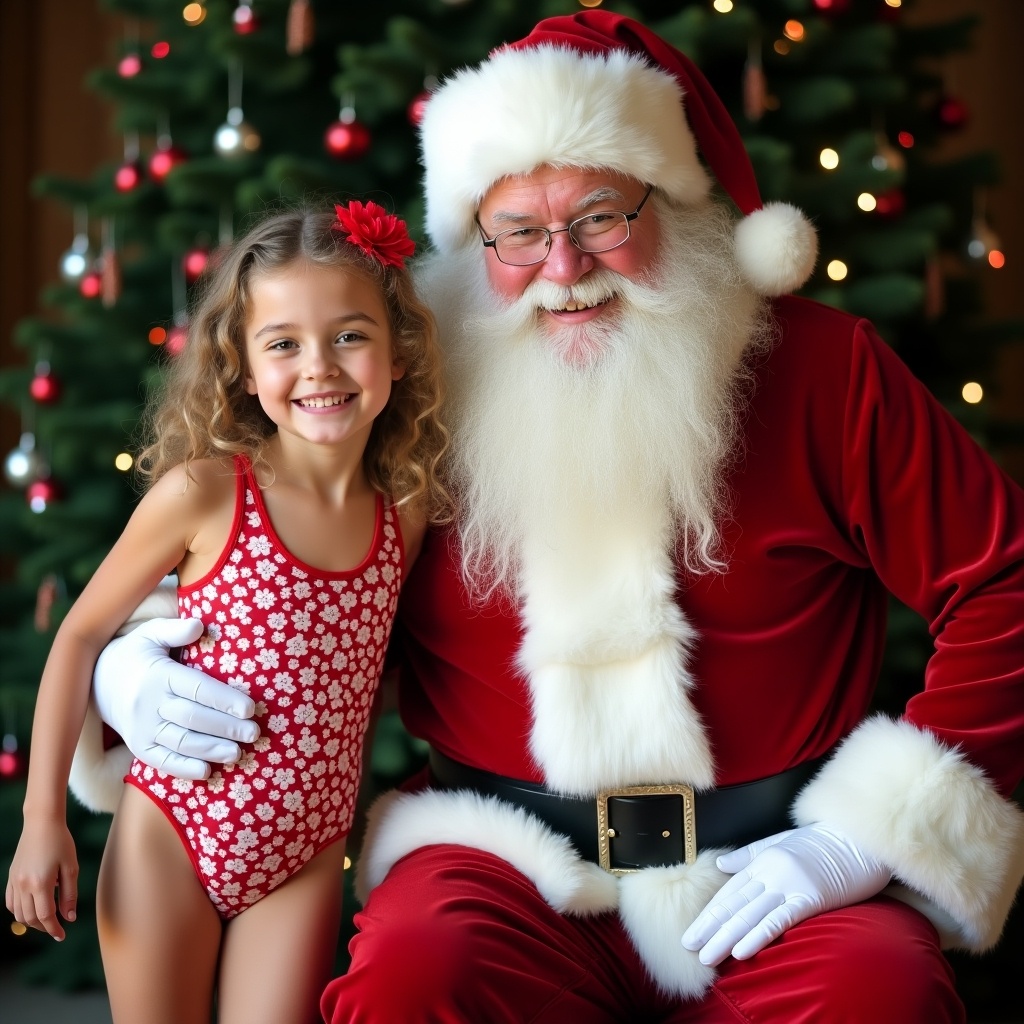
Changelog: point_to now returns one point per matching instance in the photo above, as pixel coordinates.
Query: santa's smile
(578, 310)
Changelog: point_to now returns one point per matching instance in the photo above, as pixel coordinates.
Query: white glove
(778, 882)
(169, 715)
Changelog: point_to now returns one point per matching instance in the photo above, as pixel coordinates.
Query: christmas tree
(227, 108)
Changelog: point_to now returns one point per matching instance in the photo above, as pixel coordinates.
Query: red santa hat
(599, 90)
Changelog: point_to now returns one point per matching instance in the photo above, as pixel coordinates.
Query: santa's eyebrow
(604, 194)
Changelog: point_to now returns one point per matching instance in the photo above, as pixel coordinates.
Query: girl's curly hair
(202, 409)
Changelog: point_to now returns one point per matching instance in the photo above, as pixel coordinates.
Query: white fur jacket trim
(954, 844)
(655, 905)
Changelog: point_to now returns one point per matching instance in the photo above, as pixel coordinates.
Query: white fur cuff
(931, 816)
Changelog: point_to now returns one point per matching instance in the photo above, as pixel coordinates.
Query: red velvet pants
(457, 935)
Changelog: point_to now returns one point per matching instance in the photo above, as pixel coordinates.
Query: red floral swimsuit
(307, 646)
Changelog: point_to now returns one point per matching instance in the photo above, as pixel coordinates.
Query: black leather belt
(644, 826)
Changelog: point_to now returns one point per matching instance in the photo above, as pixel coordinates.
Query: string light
(893, 3)
(866, 201)
(161, 49)
(157, 336)
(996, 259)
(905, 139)
(972, 392)
(837, 270)
(722, 6)
(194, 14)
(781, 47)
(123, 462)
(793, 30)
(829, 159)
(348, 862)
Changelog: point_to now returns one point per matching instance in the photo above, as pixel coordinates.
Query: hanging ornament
(24, 464)
(934, 288)
(347, 138)
(755, 87)
(91, 285)
(12, 761)
(194, 263)
(74, 262)
(419, 102)
(42, 493)
(46, 597)
(176, 338)
(236, 137)
(300, 28)
(129, 65)
(890, 204)
(44, 387)
(951, 114)
(166, 156)
(109, 267)
(129, 175)
(831, 8)
(244, 19)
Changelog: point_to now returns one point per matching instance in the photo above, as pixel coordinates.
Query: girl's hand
(45, 859)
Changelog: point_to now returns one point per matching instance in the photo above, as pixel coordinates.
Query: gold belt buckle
(605, 833)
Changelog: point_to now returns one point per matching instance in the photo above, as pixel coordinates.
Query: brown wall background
(50, 123)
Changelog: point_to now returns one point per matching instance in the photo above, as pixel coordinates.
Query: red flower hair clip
(378, 233)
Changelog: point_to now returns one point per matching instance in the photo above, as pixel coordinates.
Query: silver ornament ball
(236, 137)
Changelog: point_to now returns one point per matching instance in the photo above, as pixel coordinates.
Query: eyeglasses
(596, 232)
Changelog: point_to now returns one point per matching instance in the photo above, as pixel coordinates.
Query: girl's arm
(163, 529)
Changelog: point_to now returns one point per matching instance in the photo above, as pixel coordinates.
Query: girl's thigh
(159, 933)
(279, 953)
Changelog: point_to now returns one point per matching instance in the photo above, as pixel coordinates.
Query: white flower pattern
(253, 824)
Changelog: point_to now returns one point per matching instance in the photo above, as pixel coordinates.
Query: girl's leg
(278, 955)
(159, 932)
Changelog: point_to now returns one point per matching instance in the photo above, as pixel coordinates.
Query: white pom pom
(776, 247)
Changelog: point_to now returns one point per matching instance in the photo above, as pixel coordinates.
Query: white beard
(540, 441)
(580, 458)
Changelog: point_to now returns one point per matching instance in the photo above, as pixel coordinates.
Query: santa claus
(644, 651)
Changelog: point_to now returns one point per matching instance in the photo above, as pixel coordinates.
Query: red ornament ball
(831, 7)
(129, 65)
(41, 493)
(346, 140)
(951, 113)
(45, 388)
(417, 107)
(244, 20)
(127, 177)
(175, 340)
(91, 285)
(890, 204)
(163, 160)
(194, 263)
(12, 764)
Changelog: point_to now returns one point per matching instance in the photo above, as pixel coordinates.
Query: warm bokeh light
(829, 159)
(722, 6)
(837, 270)
(348, 862)
(794, 30)
(972, 392)
(866, 201)
(996, 259)
(17, 928)
(905, 139)
(194, 14)
(781, 47)
(161, 49)
(157, 336)
(123, 462)
(894, 3)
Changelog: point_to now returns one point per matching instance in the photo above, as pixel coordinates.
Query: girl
(292, 476)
